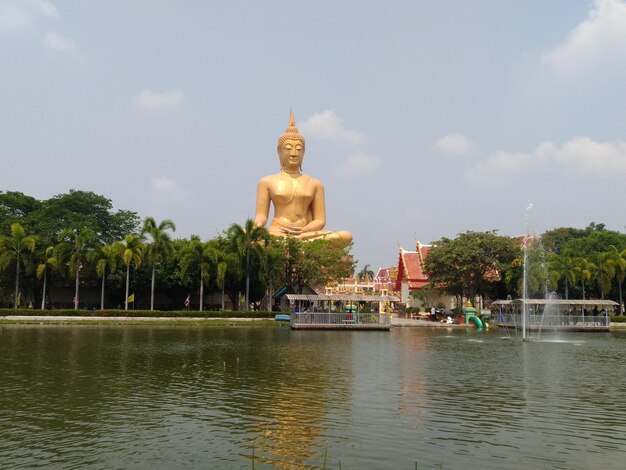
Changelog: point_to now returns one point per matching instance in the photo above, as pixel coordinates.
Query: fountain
(534, 276)
(539, 308)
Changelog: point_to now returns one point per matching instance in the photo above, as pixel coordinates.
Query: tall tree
(365, 274)
(617, 266)
(472, 264)
(74, 250)
(78, 210)
(14, 248)
(563, 267)
(249, 240)
(199, 257)
(106, 259)
(220, 279)
(159, 246)
(16, 207)
(47, 262)
(583, 270)
(132, 253)
(322, 262)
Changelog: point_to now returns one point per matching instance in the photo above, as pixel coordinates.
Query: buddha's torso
(293, 198)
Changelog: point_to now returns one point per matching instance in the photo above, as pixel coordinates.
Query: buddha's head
(291, 147)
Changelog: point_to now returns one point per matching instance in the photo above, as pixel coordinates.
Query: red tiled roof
(384, 278)
(410, 268)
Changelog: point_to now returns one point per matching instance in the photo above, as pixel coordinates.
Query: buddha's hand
(295, 231)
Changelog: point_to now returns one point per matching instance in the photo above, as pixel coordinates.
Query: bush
(618, 319)
(136, 313)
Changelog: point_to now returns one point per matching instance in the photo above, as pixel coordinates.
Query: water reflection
(193, 397)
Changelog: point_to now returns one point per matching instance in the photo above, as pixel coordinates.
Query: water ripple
(157, 397)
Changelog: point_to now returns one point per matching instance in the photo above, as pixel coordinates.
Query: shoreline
(207, 321)
(213, 321)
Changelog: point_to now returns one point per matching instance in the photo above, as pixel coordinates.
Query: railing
(552, 320)
(340, 318)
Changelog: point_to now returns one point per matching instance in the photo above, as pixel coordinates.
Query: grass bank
(139, 317)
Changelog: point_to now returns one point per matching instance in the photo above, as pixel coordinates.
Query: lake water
(150, 397)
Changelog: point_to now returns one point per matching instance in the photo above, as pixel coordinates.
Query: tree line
(76, 240)
(573, 263)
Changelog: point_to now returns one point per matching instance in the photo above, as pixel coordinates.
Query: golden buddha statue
(298, 199)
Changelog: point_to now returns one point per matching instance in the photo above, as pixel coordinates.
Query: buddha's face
(291, 154)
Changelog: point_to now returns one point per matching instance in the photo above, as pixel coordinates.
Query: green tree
(131, 253)
(220, 279)
(272, 272)
(317, 262)
(199, 257)
(563, 267)
(583, 270)
(74, 250)
(47, 262)
(555, 240)
(106, 258)
(616, 261)
(159, 247)
(365, 274)
(15, 207)
(249, 240)
(593, 247)
(471, 264)
(15, 248)
(79, 210)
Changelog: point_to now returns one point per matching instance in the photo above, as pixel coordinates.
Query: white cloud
(57, 42)
(358, 164)
(606, 159)
(18, 15)
(45, 8)
(600, 38)
(151, 101)
(328, 126)
(454, 144)
(13, 18)
(166, 190)
(581, 155)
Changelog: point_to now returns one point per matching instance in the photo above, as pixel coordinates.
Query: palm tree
(247, 239)
(365, 274)
(273, 266)
(563, 267)
(605, 272)
(584, 270)
(200, 257)
(220, 279)
(105, 258)
(15, 248)
(617, 261)
(160, 247)
(48, 262)
(132, 253)
(74, 250)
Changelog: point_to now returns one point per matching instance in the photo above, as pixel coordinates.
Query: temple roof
(411, 267)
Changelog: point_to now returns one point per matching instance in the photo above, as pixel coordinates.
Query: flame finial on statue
(291, 132)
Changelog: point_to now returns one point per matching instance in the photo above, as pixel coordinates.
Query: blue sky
(422, 119)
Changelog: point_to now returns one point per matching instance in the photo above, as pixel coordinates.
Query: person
(433, 314)
(595, 313)
(297, 198)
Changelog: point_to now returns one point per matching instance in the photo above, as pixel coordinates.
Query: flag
(131, 298)
(19, 298)
(187, 300)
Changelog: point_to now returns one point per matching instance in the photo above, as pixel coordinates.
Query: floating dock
(340, 321)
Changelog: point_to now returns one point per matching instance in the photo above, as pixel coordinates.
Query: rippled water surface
(146, 397)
